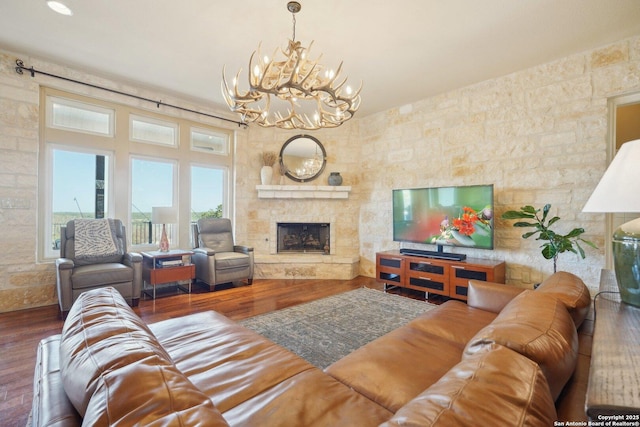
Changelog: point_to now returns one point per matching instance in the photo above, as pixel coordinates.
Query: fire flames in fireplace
(303, 237)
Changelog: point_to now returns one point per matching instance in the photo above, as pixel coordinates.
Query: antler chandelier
(311, 94)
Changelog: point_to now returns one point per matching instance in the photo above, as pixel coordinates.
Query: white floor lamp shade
(619, 191)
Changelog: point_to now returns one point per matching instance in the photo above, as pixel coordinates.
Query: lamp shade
(617, 191)
(164, 215)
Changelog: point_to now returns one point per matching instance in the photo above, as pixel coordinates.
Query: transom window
(77, 116)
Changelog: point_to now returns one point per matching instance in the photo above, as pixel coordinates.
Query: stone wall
(24, 281)
(539, 135)
(258, 216)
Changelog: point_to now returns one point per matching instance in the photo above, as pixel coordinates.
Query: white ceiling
(402, 51)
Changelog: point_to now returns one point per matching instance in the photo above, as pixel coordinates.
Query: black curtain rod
(20, 67)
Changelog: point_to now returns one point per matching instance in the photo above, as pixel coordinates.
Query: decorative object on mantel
(304, 93)
(283, 171)
(617, 192)
(556, 243)
(335, 178)
(266, 172)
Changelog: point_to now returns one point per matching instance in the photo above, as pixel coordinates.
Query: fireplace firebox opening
(294, 237)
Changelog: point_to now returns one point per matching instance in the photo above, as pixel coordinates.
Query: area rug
(325, 330)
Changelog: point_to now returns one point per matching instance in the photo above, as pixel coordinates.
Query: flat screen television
(444, 216)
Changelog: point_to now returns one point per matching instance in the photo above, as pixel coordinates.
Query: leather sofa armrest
(134, 260)
(204, 251)
(64, 264)
(51, 406)
(243, 249)
(133, 257)
(64, 269)
(490, 296)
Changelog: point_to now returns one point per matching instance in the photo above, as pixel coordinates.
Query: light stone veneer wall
(539, 135)
(259, 215)
(25, 282)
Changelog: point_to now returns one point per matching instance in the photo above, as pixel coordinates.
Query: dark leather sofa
(501, 359)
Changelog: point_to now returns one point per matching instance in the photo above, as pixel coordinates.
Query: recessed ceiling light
(59, 7)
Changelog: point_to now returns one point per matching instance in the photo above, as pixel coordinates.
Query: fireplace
(303, 237)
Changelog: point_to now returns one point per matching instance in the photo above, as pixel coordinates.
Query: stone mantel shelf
(303, 191)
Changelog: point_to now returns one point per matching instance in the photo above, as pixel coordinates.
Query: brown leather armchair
(217, 259)
(78, 270)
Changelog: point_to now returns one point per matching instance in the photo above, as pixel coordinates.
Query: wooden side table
(166, 267)
(614, 375)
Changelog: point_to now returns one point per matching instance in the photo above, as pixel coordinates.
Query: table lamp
(164, 215)
(618, 191)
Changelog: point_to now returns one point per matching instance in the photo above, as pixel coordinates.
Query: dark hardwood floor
(21, 331)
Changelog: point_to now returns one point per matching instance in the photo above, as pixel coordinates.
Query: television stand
(434, 254)
(449, 278)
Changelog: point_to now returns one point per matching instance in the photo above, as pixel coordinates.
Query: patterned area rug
(328, 329)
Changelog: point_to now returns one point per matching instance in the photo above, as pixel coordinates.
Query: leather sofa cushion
(396, 367)
(224, 360)
(255, 382)
(149, 394)
(454, 321)
(311, 398)
(572, 291)
(216, 235)
(91, 276)
(490, 296)
(492, 387)
(226, 260)
(539, 327)
(102, 334)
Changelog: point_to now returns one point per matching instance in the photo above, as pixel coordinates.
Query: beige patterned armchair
(93, 254)
(217, 259)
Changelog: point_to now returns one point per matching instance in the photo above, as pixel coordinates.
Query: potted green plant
(555, 243)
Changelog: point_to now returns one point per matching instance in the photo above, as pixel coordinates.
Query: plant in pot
(555, 243)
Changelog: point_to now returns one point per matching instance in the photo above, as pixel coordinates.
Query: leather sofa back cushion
(539, 327)
(492, 387)
(572, 291)
(216, 235)
(148, 394)
(102, 334)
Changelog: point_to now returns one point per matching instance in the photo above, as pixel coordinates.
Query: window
(152, 184)
(207, 192)
(80, 188)
(208, 141)
(102, 159)
(145, 129)
(79, 116)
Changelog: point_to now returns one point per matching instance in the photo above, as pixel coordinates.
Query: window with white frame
(209, 141)
(80, 187)
(96, 166)
(207, 192)
(152, 184)
(154, 131)
(75, 116)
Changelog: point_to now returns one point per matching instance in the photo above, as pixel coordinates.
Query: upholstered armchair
(93, 254)
(216, 257)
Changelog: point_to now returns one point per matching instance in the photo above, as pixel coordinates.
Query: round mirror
(302, 158)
